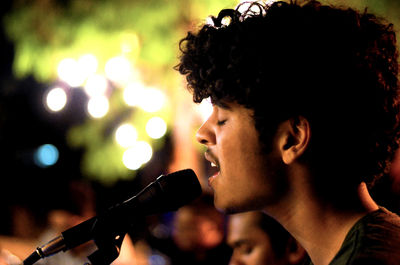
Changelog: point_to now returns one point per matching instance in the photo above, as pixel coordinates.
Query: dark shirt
(373, 240)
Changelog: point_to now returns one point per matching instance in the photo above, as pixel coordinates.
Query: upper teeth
(213, 165)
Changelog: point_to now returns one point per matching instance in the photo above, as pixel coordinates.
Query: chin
(228, 207)
(221, 206)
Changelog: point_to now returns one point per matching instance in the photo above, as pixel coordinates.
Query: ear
(295, 253)
(294, 138)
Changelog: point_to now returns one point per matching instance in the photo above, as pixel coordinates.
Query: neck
(309, 218)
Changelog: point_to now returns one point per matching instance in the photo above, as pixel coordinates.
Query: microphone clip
(108, 249)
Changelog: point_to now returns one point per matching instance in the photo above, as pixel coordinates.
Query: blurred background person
(80, 206)
(197, 235)
(8, 258)
(258, 239)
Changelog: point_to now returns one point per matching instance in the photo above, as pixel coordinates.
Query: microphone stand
(103, 231)
(108, 242)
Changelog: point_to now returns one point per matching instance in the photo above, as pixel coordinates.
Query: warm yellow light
(130, 159)
(156, 127)
(137, 155)
(68, 71)
(88, 64)
(129, 43)
(56, 99)
(152, 100)
(96, 85)
(118, 69)
(144, 149)
(205, 109)
(245, 4)
(226, 21)
(133, 93)
(98, 106)
(209, 21)
(126, 135)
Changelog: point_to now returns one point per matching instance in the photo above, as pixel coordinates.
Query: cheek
(240, 149)
(260, 258)
(248, 158)
(242, 172)
(263, 254)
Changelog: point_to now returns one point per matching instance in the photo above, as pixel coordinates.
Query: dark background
(25, 125)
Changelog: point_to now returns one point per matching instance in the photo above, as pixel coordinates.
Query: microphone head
(178, 188)
(167, 193)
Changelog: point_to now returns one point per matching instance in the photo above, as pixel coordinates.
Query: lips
(214, 166)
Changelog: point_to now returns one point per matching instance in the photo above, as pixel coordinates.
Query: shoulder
(378, 239)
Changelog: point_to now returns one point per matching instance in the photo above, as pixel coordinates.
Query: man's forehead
(223, 103)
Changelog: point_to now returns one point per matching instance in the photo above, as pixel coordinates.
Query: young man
(305, 116)
(257, 239)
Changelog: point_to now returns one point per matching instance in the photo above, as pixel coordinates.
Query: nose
(205, 134)
(236, 259)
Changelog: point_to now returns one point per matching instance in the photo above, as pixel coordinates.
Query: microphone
(167, 193)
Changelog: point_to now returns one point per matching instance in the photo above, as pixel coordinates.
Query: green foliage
(145, 31)
(45, 32)
(387, 9)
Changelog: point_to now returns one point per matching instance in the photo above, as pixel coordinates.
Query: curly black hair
(335, 66)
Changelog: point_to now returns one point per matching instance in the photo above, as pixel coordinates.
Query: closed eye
(222, 122)
(243, 246)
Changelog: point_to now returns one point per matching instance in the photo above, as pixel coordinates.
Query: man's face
(245, 179)
(250, 244)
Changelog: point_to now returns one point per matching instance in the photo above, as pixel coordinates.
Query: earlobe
(294, 139)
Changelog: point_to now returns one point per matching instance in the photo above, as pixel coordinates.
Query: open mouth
(214, 168)
(214, 172)
(214, 165)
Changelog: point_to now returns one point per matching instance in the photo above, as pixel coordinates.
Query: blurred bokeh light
(156, 127)
(126, 135)
(137, 155)
(56, 99)
(46, 155)
(98, 106)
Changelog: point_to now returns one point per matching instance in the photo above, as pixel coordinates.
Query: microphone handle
(79, 234)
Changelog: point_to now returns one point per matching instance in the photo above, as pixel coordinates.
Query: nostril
(203, 141)
(200, 137)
